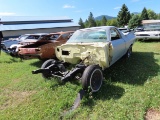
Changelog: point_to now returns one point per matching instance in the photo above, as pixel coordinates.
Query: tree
(123, 16)
(98, 23)
(151, 14)
(81, 23)
(112, 22)
(158, 16)
(103, 21)
(86, 23)
(91, 20)
(134, 21)
(131, 15)
(144, 14)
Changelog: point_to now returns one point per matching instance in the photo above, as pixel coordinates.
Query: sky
(73, 9)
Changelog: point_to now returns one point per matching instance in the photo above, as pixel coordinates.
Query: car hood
(29, 40)
(6, 41)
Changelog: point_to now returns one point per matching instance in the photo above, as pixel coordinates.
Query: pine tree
(134, 21)
(158, 16)
(144, 14)
(81, 23)
(103, 21)
(98, 23)
(91, 20)
(123, 16)
(86, 23)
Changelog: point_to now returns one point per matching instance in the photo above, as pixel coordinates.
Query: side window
(65, 36)
(36, 37)
(47, 37)
(115, 34)
(30, 37)
(70, 34)
(54, 37)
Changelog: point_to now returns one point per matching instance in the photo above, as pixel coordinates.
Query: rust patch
(152, 114)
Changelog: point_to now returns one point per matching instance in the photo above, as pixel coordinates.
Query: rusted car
(44, 48)
(25, 40)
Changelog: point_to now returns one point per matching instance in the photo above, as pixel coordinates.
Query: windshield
(152, 27)
(33, 37)
(88, 36)
(23, 37)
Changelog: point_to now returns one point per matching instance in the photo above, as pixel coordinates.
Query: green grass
(129, 89)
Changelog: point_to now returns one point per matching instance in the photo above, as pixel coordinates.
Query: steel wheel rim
(96, 80)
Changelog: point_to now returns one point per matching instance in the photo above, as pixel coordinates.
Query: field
(131, 87)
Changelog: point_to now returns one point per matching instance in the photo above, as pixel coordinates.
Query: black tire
(129, 52)
(45, 65)
(92, 77)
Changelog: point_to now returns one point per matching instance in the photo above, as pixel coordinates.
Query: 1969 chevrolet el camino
(91, 50)
(45, 47)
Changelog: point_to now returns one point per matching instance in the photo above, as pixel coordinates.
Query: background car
(44, 48)
(148, 33)
(7, 43)
(30, 39)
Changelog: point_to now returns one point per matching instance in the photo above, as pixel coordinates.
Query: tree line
(124, 18)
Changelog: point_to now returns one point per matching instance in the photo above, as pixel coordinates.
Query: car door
(118, 45)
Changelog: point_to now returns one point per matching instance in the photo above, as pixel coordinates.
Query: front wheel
(92, 77)
(45, 65)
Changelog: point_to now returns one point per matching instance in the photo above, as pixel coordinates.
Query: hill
(136, 13)
(108, 17)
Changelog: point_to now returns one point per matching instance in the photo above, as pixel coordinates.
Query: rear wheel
(129, 52)
(45, 65)
(92, 77)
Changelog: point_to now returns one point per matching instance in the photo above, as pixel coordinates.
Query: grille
(142, 35)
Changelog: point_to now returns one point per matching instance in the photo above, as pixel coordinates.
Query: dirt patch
(14, 98)
(152, 114)
(16, 80)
